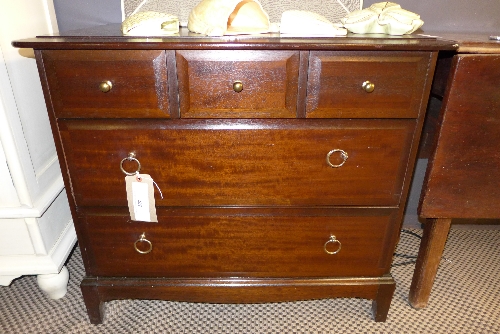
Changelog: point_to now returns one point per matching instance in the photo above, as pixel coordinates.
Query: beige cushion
(382, 18)
(228, 17)
(150, 23)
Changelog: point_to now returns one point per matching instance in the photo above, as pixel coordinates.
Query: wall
(76, 14)
(438, 15)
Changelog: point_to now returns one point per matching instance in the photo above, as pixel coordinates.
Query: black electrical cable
(405, 255)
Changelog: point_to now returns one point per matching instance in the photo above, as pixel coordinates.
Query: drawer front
(240, 246)
(138, 80)
(241, 162)
(336, 87)
(208, 83)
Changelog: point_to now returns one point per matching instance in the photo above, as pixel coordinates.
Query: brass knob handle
(105, 86)
(238, 86)
(131, 157)
(368, 86)
(333, 241)
(343, 156)
(142, 239)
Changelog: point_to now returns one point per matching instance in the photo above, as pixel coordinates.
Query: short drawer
(107, 84)
(238, 84)
(292, 162)
(367, 84)
(241, 245)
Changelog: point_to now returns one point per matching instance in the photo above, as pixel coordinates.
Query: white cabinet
(36, 229)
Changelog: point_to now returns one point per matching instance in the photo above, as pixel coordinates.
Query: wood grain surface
(269, 79)
(240, 246)
(463, 180)
(240, 162)
(335, 82)
(139, 83)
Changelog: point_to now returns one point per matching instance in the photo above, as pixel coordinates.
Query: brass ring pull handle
(368, 86)
(343, 155)
(105, 86)
(238, 86)
(143, 239)
(333, 240)
(131, 157)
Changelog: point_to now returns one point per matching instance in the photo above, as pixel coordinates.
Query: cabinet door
(241, 162)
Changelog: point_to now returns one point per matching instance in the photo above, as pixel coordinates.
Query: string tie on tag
(158, 189)
(139, 179)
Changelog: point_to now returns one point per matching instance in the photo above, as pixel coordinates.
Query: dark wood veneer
(139, 81)
(269, 79)
(108, 37)
(236, 290)
(335, 78)
(235, 246)
(241, 162)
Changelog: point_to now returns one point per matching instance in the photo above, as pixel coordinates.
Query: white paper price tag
(140, 196)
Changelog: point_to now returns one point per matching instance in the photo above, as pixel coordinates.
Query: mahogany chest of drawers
(283, 164)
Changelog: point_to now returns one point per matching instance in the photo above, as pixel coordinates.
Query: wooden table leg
(429, 257)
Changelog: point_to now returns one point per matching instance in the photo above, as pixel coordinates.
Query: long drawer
(241, 245)
(241, 162)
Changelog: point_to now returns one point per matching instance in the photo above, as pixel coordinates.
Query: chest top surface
(110, 37)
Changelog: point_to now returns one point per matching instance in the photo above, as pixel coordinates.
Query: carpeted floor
(465, 299)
